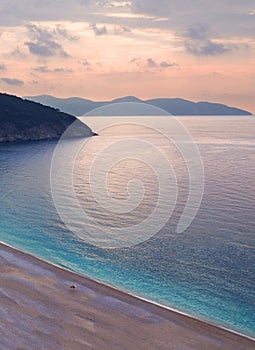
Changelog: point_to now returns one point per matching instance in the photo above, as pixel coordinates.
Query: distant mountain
(73, 105)
(23, 120)
(176, 106)
(126, 99)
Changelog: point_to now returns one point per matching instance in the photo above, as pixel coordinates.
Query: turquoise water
(207, 271)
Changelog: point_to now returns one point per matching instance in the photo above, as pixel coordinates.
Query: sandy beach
(39, 310)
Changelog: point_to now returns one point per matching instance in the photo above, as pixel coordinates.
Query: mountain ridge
(176, 106)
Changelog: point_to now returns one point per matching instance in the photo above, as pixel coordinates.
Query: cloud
(3, 66)
(42, 49)
(12, 81)
(251, 12)
(44, 40)
(198, 31)
(42, 69)
(116, 4)
(62, 70)
(62, 31)
(109, 29)
(99, 30)
(135, 60)
(119, 30)
(164, 64)
(45, 69)
(151, 63)
(206, 48)
(199, 42)
(86, 63)
(18, 53)
(18, 12)
(120, 3)
(195, 7)
(231, 18)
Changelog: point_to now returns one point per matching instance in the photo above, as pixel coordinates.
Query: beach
(39, 310)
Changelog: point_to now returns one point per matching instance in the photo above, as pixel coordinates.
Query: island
(24, 120)
(174, 106)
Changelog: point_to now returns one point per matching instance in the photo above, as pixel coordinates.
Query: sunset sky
(198, 50)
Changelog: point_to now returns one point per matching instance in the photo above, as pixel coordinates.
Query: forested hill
(24, 120)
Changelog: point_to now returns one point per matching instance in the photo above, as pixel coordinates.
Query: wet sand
(39, 310)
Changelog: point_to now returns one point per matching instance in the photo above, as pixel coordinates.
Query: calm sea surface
(207, 271)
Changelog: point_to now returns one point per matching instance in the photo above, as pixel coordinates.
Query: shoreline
(118, 290)
(163, 323)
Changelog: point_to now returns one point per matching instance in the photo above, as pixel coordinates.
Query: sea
(160, 209)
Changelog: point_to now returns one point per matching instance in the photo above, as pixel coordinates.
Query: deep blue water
(207, 271)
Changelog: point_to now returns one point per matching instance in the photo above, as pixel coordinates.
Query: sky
(201, 50)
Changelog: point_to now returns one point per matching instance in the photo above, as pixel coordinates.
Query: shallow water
(207, 271)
